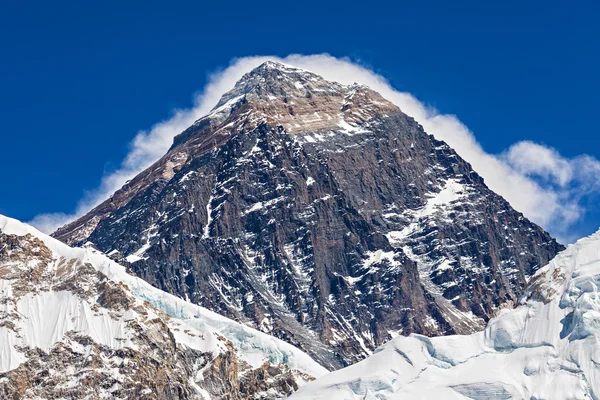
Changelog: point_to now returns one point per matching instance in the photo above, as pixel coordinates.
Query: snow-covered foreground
(40, 311)
(547, 348)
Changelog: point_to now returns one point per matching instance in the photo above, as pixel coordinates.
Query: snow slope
(43, 315)
(547, 348)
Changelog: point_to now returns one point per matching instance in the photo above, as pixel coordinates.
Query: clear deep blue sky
(79, 79)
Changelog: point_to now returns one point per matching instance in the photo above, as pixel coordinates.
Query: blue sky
(80, 79)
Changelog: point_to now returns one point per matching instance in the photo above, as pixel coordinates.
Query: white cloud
(532, 159)
(569, 180)
(535, 160)
(535, 179)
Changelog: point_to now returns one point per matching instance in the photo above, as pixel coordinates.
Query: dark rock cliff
(323, 215)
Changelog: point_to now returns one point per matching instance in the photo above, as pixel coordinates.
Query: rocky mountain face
(323, 215)
(74, 324)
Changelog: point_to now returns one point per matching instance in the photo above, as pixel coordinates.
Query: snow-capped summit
(75, 324)
(323, 215)
(547, 348)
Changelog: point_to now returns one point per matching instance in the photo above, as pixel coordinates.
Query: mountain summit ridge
(322, 214)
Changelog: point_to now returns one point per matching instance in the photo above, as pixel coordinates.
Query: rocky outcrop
(323, 215)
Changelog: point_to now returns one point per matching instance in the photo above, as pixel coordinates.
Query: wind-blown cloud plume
(535, 179)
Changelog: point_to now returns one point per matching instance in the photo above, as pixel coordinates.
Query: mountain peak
(275, 68)
(276, 65)
(272, 80)
(299, 100)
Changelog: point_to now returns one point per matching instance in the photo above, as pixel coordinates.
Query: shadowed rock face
(322, 214)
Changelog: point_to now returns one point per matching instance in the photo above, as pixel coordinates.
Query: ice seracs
(547, 348)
